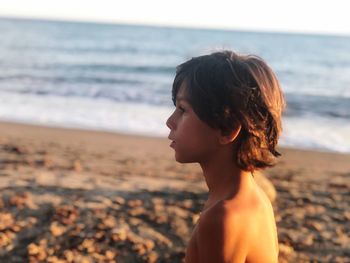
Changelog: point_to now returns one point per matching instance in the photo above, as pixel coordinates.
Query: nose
(170, 122)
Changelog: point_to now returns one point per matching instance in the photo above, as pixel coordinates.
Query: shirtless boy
(228, 119)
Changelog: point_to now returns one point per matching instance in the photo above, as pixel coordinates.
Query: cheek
(193, 150)
(195, 142)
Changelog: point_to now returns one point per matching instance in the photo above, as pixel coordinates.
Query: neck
(224, 178)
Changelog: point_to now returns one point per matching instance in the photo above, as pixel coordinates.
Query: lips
(172, 142)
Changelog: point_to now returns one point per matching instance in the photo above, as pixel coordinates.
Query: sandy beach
(84, 196)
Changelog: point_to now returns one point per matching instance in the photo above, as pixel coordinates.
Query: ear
(230, 137)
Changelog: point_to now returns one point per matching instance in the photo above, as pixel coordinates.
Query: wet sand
(83, 196)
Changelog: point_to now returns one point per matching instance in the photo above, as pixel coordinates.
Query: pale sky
(308, 16)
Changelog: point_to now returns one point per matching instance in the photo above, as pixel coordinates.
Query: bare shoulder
(221, 214)
(232, 231)
(220, 235)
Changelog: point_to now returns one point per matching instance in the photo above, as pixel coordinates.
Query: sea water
(119, 77)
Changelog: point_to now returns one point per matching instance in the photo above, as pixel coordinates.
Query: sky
(305, 16)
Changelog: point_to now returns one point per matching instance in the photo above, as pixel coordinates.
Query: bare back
(250, 236)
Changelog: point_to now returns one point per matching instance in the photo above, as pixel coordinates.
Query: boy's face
(192, 139)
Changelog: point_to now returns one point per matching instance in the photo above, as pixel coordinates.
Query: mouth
(172, 144)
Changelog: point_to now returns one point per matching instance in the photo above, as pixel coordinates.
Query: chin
(183, 159)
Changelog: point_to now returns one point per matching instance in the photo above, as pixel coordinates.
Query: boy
(228, 119)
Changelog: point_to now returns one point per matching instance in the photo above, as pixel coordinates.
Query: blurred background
(82, 195)
(109, 65)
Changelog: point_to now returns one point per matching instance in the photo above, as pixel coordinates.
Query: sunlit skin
(237, 222)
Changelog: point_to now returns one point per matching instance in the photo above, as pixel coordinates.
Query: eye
(181, 109)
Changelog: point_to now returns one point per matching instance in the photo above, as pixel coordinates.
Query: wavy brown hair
(226, 89)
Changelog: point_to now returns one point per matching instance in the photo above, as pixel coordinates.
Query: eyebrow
(181, 98)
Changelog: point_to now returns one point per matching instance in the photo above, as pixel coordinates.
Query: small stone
(195, 218)
(135, 203)
(342, 238)
(188, 204)
(308, 240)
(33, 249)
(5, 240)
(110, 254)
(327, 235)
(317, 226)
(48, 162)
(152, 234)
(338, 259)
(339, 184)
(31, 221)
(347, 215)
(15, 149)
(98, 257)
(278, 218)
(54, 259)
(336, 198)
(138, 248)
(157, 201)
(57, 229)
(109, 222)
(16, 228)
(106, 201)
(50, 251)
(180, 227)
(69, 255)
(66, 214)
(137, 211)
(314, 209)
(152, 257)
(42, 254)
(20, 199)
(88, 245)
(119, 234)
(338, 217)
(77, 166)
(161, 219)
(178, 212)
(134, 221)
(285, 253)
(43, 242)
(119, 200)
(295, 193)
(6, 220)
(149, 244)
(100, 235)
(158, 208)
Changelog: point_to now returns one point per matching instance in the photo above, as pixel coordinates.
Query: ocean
(118, 77)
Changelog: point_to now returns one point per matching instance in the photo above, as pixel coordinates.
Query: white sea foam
(85, 113)
(308, 132)
(315, 132)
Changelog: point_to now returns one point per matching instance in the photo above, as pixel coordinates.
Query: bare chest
(192, 248)
(192, 252)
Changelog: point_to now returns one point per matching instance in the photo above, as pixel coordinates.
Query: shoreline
(8, 127)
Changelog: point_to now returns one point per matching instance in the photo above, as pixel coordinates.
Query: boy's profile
(228, 119)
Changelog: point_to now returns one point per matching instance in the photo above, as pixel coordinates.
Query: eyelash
(181, 109)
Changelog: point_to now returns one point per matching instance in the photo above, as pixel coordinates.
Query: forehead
(182, 93)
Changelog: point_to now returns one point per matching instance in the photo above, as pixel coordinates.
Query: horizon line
(175, 26)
